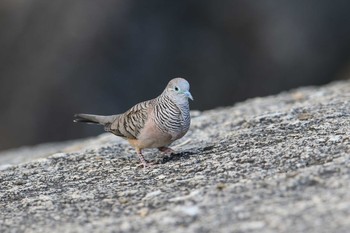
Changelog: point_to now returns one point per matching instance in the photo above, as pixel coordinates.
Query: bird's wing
(130, 123)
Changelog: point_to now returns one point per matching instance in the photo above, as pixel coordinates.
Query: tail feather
(94, 119)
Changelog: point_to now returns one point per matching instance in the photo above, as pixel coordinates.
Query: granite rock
(274, 164)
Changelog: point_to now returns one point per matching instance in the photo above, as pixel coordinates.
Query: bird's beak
(188, 94)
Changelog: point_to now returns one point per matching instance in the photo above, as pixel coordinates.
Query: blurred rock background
(62, 57)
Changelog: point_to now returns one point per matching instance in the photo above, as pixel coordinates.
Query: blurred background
(62, 57)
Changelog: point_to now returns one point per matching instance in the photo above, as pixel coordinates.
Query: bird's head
(179, 89)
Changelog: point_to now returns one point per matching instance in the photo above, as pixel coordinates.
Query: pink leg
(143, 161)
(166, 150)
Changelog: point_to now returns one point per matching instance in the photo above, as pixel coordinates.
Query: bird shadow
(184, 155)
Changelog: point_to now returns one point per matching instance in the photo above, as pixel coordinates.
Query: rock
(274, 164)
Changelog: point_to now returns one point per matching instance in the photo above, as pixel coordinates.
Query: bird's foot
(144, 163)
(166, 150)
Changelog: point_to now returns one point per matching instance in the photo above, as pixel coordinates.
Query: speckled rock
(274, 164)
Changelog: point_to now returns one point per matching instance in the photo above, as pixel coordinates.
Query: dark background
(66, 56)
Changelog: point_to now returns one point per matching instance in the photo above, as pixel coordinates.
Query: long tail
(94, 119)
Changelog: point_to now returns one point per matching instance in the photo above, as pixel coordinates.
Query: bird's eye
(176, 89)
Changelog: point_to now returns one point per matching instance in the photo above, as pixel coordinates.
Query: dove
(154, 123)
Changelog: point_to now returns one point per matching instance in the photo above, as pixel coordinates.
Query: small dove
(155, 123)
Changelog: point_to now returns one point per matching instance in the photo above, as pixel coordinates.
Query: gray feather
(94, 119)
(130, 123)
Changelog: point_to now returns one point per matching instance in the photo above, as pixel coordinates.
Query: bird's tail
(94, 119)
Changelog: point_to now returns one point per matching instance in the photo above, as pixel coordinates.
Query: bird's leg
(143, 161)
(166, 150)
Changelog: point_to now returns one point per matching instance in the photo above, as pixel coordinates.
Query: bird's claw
(166, 150)
(146, 165)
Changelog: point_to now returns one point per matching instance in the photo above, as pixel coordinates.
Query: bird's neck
(181, 103)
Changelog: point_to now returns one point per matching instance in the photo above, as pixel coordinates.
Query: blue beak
(188, 94)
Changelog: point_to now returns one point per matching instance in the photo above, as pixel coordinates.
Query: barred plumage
(170, 117)
(129, 124)
(154, 123)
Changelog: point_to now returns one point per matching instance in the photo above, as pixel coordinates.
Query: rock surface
(273, 164)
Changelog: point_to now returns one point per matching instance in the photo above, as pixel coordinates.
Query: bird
(154, 123)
